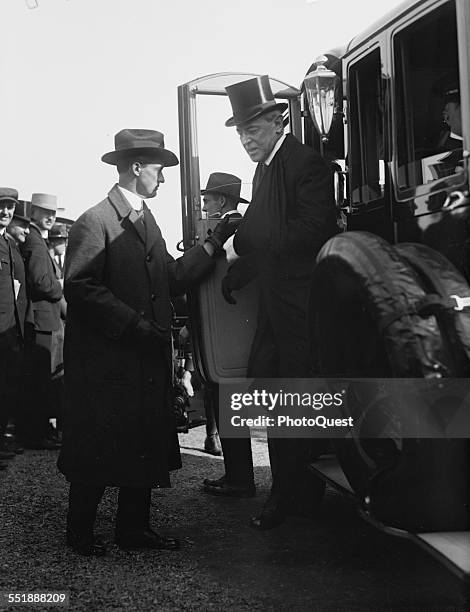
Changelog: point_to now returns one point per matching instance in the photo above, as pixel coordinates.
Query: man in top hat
(45, 294)
(290, 217)
(13, 304)
(119, 428)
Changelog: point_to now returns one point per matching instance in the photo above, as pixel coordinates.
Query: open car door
(222, 333)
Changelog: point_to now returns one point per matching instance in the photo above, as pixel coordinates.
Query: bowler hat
(58, 230)
(251, 99)
(140, 142)
(224, 184)
(7, 193)
(44, 200)
(21, 212)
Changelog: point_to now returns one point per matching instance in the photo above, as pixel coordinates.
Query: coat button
(153, 297)
(148, 258)
(151, 381)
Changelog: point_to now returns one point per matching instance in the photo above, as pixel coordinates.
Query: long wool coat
(290, 217)
(119, 429)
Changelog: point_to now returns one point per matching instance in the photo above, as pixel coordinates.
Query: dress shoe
(4, 454)
(147, 538)
(216, 482)
(273, 514)
(85, 545)
(228, 490)
(42, 444)
(12, 445)
(212, 445)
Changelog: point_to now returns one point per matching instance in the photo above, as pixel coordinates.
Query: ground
(333, 563)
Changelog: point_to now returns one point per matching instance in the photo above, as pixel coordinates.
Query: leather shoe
(212, 445)
(43, 444)
(85, 545)
(272, 514)
(216, 482)
(146, 539)
(229, 490)
(4, 454)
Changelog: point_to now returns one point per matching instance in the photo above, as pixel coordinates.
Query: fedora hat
(44, 200)
(7, 193)
(21, 211)
(58, 230)
(251, 99)
(140, 142)
(224, 184)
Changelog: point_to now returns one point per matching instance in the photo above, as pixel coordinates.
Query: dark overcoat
(12, 316)
(45, 291)
(119, 428)
(290, 217)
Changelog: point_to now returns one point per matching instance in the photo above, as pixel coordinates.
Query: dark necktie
(258, 177)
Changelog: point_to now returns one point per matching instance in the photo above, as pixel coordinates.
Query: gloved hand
(227, 289)
(222, 232)
(148, 336)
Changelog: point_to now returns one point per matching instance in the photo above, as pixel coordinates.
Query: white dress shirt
(135, 200)
(228, 246)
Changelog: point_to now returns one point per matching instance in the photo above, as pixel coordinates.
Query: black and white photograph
(235, 305)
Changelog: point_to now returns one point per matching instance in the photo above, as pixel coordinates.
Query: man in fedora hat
(13, 304)
(222, 195)
(119, 428)
(290, 216)
(45, 294)
(57, 244)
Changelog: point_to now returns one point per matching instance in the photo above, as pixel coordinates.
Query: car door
(222, 333)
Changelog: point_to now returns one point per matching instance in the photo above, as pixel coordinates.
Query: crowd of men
(32, 311)
(118, 428)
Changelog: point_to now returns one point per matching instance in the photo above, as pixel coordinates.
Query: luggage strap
(427, 306)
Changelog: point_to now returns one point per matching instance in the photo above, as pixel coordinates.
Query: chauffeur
(119, 429)
(290, 216)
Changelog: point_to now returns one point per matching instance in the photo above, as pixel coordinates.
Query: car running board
(452, 548)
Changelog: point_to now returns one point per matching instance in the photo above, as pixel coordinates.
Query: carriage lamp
(320, 90)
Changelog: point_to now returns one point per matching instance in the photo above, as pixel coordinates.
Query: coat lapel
(130, 218)
(153, 231)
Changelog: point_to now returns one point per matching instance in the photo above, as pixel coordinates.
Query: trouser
(280, 350)
(238, 459)
(133, 512)
(33, 424)
(11, 358)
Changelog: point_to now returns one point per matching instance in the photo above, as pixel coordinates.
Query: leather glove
(222, 232)
(148, 336)
(227, 289)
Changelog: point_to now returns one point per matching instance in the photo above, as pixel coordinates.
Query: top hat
(44, 200)
(224, 184)
(7, 193)
(21, 212)
(140, 142)
(58, 230)
(251, 99)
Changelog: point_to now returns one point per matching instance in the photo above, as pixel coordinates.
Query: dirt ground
(332, 563)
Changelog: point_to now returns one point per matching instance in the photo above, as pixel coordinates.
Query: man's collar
(276, 148)
(230, 212)
(134, 199)
(41, 232)
(456, 136)
(2, 231)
